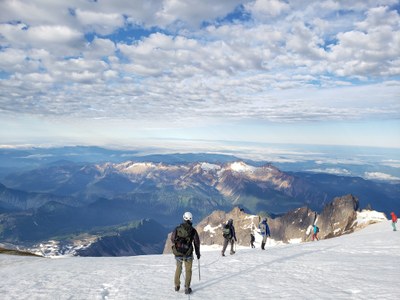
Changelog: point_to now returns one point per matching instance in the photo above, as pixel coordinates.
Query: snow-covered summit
(209, 166)
(241, 167)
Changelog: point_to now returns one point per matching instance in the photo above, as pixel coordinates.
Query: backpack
(183, 240)
(263, 228)
(226, 231)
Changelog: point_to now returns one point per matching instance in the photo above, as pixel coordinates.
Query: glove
(198, 256)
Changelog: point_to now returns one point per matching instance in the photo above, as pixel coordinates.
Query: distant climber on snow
(252, 240)
(315, 232)
(229, 234)
(394, 220)
(264, 231)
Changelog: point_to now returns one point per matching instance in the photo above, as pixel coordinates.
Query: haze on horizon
(135, 73)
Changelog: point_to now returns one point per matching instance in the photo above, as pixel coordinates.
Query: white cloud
(12, 60)
(53, 34)
(110, 74)
(369, 49)
(192, 12)
(333, 171)
(378, 17)
(290, 61)
(340, 161)
(391, 163)
(265, 9)
(39, 12)
(35, 77)
(380, 176)
(99, 48)
(60, 40)
(78, 65)
(98, 22)
(304, 42)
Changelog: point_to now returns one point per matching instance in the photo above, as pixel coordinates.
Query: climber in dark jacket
(252, 240)
(184, 239)
(229, 234)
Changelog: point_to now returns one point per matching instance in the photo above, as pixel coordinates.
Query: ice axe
(198, 261)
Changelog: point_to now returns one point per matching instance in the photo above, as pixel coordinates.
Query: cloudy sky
(124, 72)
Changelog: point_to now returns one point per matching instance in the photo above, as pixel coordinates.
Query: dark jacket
(252, 238)
(194, 241)
(232, 231)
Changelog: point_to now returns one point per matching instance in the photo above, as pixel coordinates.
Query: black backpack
(226, 231)
(183, 240)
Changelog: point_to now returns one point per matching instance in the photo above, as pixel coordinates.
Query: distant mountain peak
(241, 166)
(205, 166)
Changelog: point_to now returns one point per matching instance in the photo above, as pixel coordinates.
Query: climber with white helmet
(183, 238)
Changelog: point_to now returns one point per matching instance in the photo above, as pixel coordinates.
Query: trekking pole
(198, 261)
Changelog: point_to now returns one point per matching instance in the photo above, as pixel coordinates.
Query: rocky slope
(339, 217)
(134, 238)
(146, 238)
(15, 200)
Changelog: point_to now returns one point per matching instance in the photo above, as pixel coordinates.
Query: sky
(129, 73)
(361, 265)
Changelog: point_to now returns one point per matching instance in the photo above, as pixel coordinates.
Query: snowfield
(362, 265)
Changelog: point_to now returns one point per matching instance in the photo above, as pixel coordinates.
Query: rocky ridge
(341, 216)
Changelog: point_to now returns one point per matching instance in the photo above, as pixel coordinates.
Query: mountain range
(63, 199)
(201, 186)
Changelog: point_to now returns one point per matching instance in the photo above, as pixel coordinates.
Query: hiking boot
(233, 252)
(177, 288)
(223, 254)
(188, 291)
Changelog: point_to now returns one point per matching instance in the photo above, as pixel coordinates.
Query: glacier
(361, 265)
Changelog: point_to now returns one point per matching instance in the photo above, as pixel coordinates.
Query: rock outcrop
(339, 217)
(210, 228)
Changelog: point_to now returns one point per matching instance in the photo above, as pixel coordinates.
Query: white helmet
(187, 216)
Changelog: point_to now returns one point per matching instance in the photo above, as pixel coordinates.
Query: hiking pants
(226, 241)
(394, 226)
(188, 270)
(264, 240)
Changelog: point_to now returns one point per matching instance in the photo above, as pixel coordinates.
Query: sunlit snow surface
(362, 265)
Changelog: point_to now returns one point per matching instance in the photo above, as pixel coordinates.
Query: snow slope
(362, 265)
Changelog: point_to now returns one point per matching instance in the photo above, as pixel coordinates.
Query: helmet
(187, 216)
